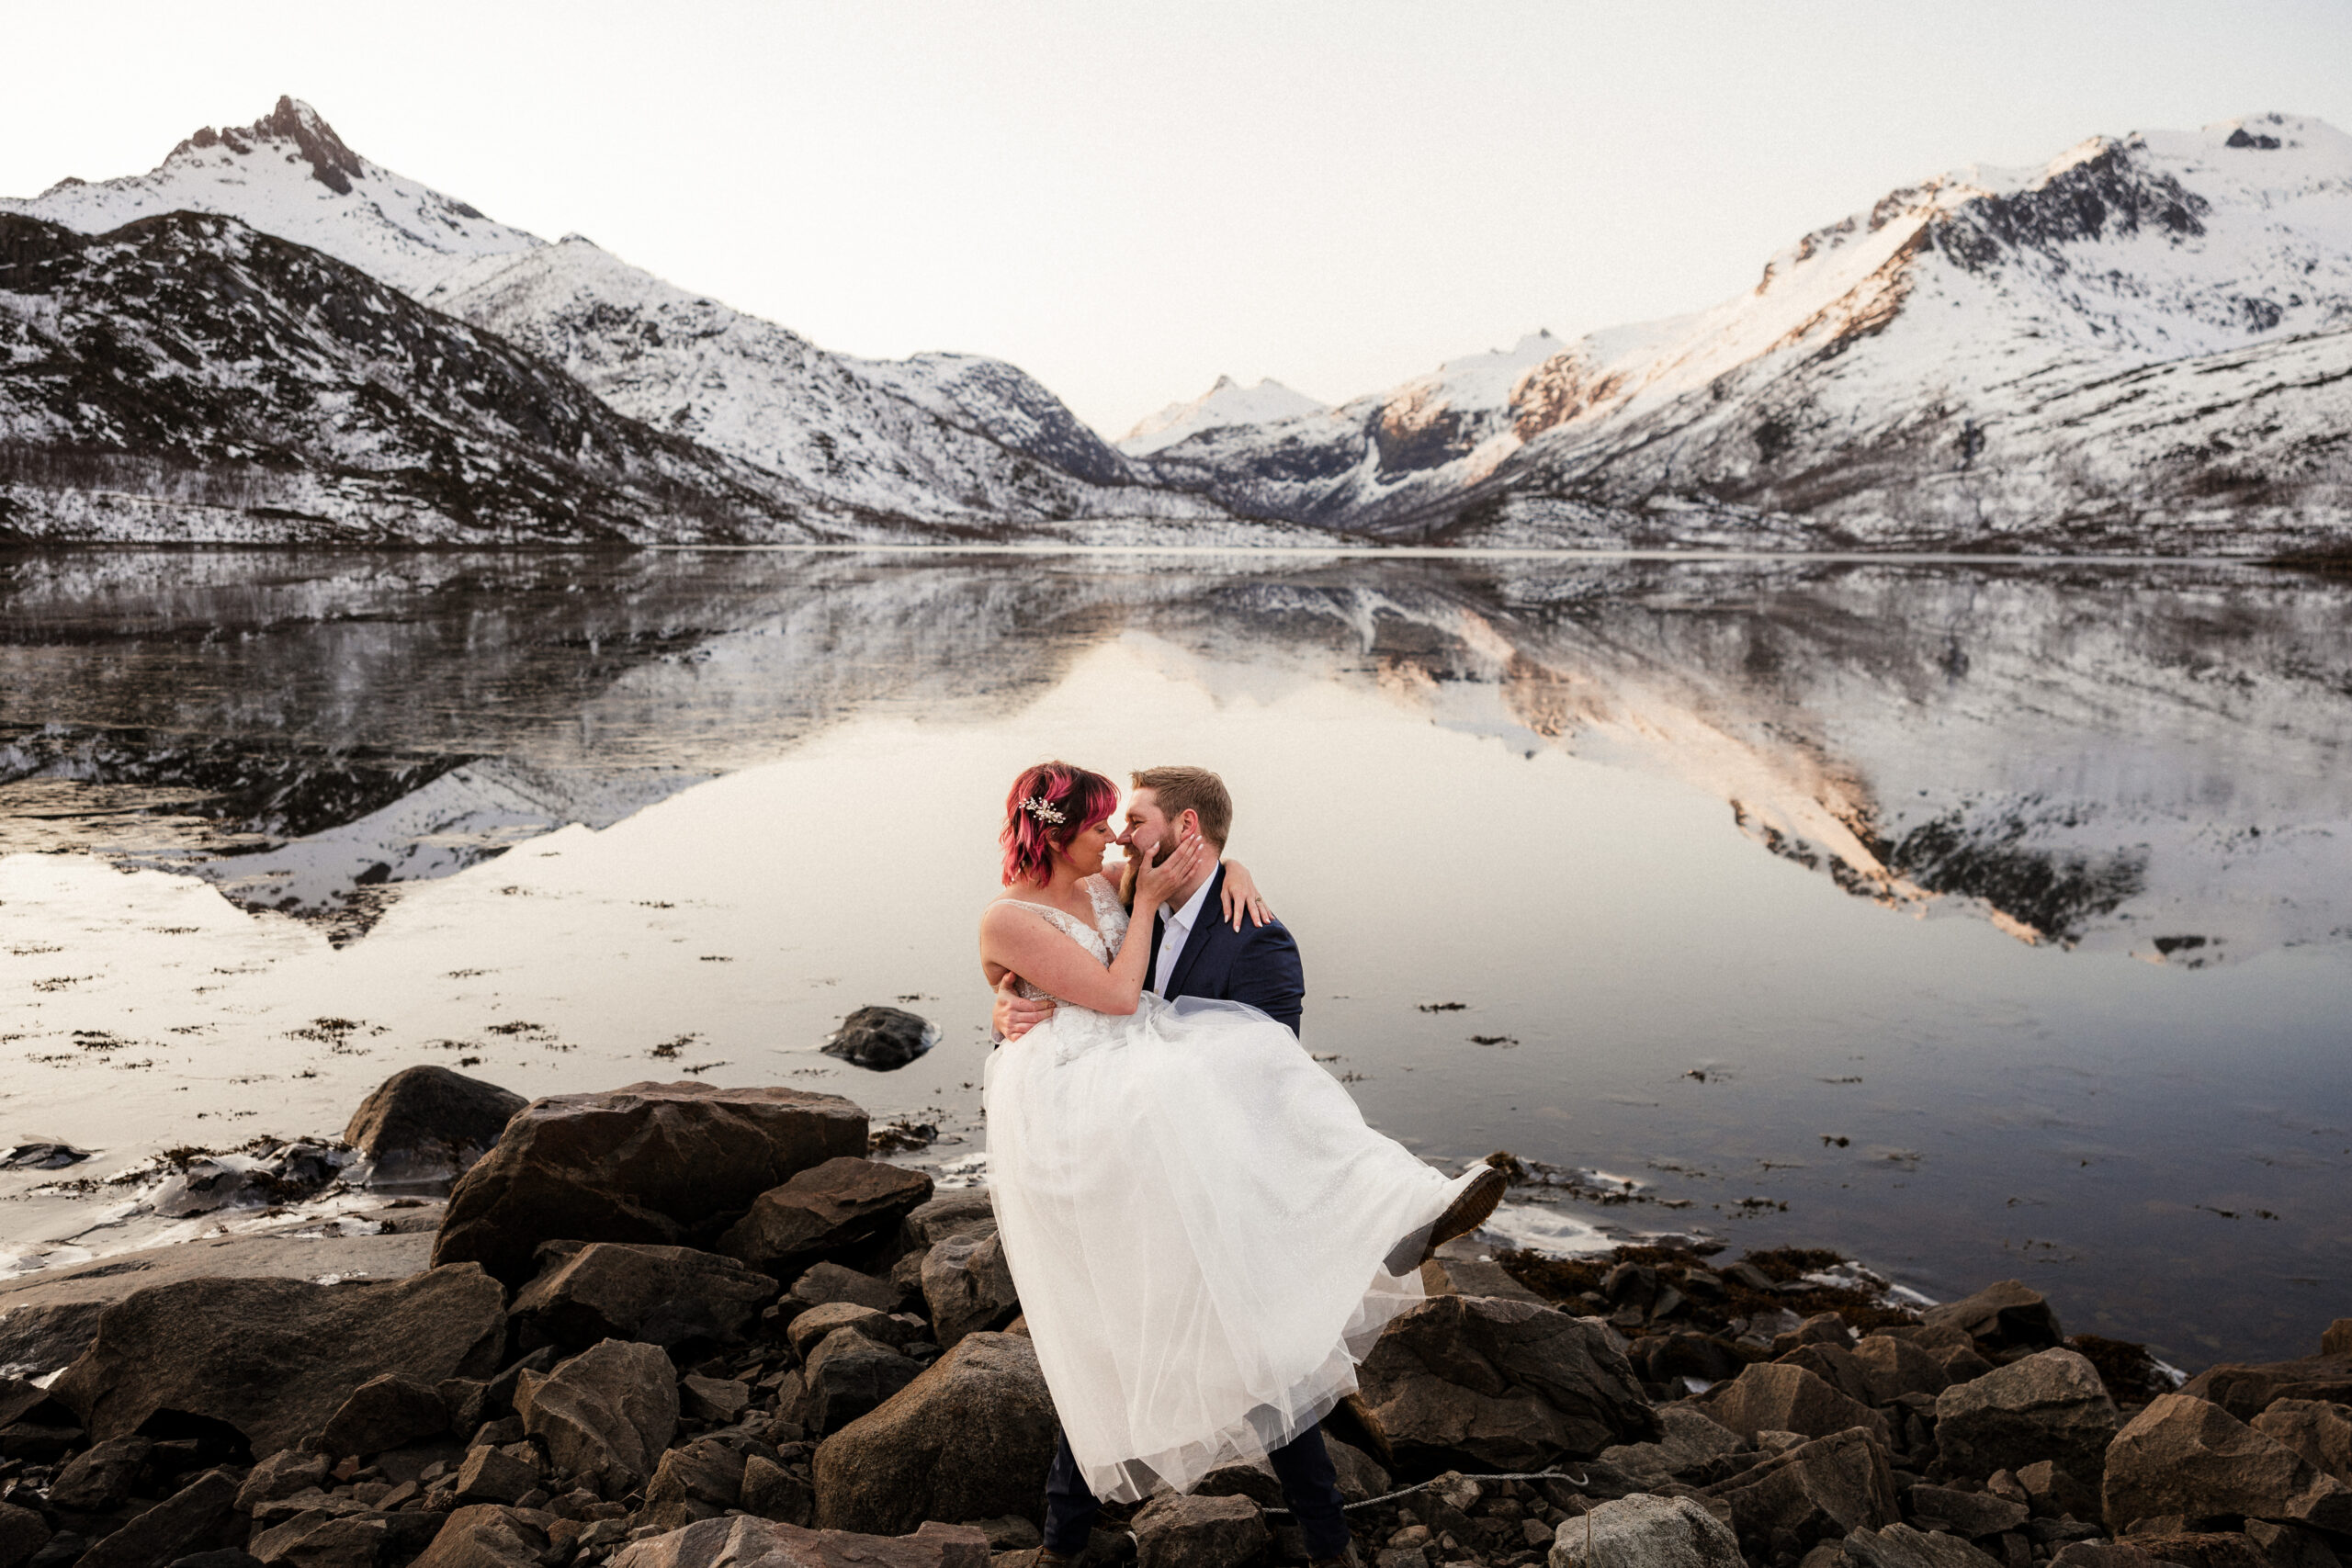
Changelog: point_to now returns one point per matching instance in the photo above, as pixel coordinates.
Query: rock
(1644, 1531)
(387, 1412)
(2335, 1339)
(2007, 1316)
(605, 1415)
(1900, 1546)
(1664, 1358)
(37, 1340)
(424, 1127)
(1821, 1329)
(2291, 1546)
(809, 1330)
(1475, 1383)
(2247, 1392)
(1816, 1491)
(208, 1183)
(832, 1282)
(322, 1541)
(2051, 1493)
(1689, 1444)
(1834, 1365)
(485, 1536)
(22, 1533)
(841, 1203)
(883, 1039)
(2189, 1458)
(1974, 1515)
(285, 1474)
(2101, 1555)
(947, 1213)
(714, 1400)
(1011, 1533)
(492, 1475)
(2318, 1429)
(848, 1375)
(1776, 1396)
(1896, 1366)
(1360, 1475)
(657, 1164)
(2201, 1549)
(2049, 1405)
(277, 1358)
(967, 1286)
(1199, 1533)
(969, 1438)
(196, 1518)
(662, 1295)
(773, 1492)
(740, 1542)
(700, 1480)
(99, 1478)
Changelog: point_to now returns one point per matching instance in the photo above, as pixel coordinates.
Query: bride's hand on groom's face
(1154, 882)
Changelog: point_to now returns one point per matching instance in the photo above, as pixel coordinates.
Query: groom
(1195, 954)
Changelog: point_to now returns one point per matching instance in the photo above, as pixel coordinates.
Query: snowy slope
(289, 175)
(1929, 370)
(1228, 402)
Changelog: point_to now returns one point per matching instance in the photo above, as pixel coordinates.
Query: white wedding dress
(1200, 1226)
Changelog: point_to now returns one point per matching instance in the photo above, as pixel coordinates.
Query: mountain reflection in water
(2083, 762)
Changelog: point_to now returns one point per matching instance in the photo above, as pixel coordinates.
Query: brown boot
(1469, 1209)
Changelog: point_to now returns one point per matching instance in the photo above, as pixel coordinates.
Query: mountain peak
(333, 165)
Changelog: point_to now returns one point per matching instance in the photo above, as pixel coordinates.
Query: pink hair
(1082, 799)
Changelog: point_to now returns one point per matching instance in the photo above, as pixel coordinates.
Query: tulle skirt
(1205, 1236)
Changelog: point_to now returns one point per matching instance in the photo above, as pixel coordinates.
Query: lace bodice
(1101, 939)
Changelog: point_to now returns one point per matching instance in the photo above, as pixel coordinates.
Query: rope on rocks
(1425, 1485)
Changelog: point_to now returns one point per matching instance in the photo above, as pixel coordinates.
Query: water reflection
(1614, 864)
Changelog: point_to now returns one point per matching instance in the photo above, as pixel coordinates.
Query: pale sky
(1129, 199)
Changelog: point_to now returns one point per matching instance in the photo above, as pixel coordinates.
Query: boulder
(849, 1374)
(199, 1516)
(604, 1415)
(275, 1358)
(425, 1127)
(22, 1533)
(663, 1295)
(1480, 1384)
(100, 1477)
(718, 1401)
(831, 1282)
(37, 1340)
(1974, 1515)
(1665, 1357)
(1894, 1368)
(2291, 1546)
(1199, 1533)
(2318, 1429)
(1644, 1531)
(286, 1474)
(2201, 1549)
(1834, 1365)
(2052, 1493)
(700, 1480)
(388, 1412)
(947, 1213)
(967, 1286)
(2049, 1405)
(659, 1164)
(486, 1536)
(2335, 1339)
(842, 1203)
(2245, 1391)
(772, 1492)
(808, 1331)
(741, 1541)
(2007, 1316)
(491, 1475)
(1688, 1445)
(970, 1438)
(321, 1540)
(1816, 1491)
(1777, 1396)
(2189, 1458)
(1360, 1475)
(1900, 1546)
(881, 1038)
(2102, 1554)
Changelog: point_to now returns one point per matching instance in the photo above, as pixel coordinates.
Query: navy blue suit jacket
(1258, 964)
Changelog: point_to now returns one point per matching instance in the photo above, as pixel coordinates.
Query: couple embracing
(1205, 1234)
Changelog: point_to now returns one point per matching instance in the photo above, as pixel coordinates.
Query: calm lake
(1978, 919)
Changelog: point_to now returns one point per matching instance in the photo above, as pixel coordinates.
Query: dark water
(1981, 919)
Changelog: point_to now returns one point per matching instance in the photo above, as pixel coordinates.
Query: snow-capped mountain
(879, 449)
(1228, 402)
(2146, 341)
(289, 175)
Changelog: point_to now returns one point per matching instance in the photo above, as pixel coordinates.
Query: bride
(1205, 1234)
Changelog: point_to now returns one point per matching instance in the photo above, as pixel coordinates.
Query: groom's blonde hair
(1196, 790)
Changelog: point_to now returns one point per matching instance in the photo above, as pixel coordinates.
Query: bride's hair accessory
(1047, 807)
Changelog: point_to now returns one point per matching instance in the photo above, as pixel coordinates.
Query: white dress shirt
(1177, 927)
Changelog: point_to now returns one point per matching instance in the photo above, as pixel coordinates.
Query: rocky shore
(672, 1326)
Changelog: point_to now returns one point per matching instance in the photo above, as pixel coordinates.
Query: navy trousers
(1302, 1465)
